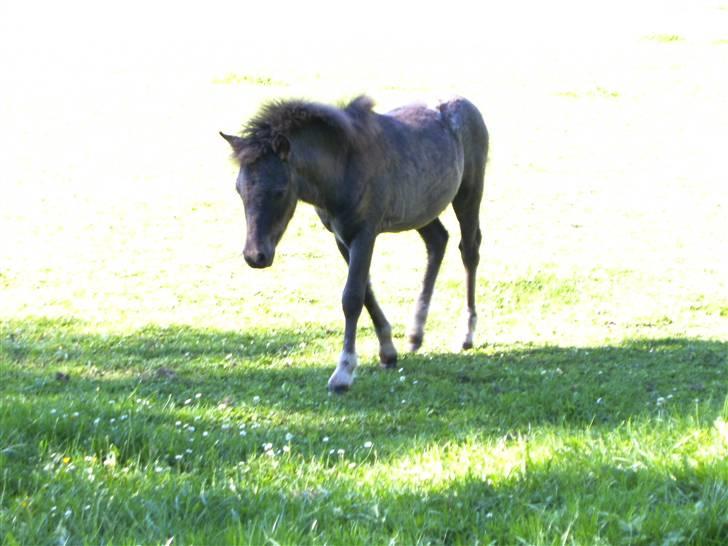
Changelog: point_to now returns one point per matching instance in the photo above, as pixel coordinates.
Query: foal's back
(421, 166)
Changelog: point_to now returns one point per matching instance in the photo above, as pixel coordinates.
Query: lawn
(155, 390)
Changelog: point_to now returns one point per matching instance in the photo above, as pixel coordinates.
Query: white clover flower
(325, 439)
(188, 401)
(289, 436)
(190, 428)
(368, 445)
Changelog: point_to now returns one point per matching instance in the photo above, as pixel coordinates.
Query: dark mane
(353, 122)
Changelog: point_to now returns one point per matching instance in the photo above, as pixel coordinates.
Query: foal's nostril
(256, 258)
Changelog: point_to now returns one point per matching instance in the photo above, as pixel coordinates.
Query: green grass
(212, 436)
(154, 390)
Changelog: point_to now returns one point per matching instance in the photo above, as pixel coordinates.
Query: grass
(233, 78)
(665, 38)
(154, 390)
(213, 436)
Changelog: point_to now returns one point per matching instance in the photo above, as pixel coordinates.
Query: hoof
(467, 345)
(415, 342)
(339, 389)
(388, 360)
(343, 375)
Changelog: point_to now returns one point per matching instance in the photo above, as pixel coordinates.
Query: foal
(366, 173)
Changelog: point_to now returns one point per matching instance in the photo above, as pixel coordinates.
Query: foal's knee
(352, 302)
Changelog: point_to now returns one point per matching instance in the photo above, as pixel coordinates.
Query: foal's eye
(278, 194)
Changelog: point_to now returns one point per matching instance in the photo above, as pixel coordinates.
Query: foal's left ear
(234, 141)
(281, 147)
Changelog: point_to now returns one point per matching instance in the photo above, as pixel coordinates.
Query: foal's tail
(468, 126)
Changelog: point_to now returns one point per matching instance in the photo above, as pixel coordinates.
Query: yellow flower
(66, 460)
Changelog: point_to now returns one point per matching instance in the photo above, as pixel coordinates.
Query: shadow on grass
(277, 380)
(196, 402)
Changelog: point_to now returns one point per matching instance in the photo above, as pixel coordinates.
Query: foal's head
(268, 195)
(264, 182)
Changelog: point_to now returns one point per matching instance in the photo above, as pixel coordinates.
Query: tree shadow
(187, 398)
(276, 377)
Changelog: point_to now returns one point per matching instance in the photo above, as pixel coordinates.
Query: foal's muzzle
(258, 258)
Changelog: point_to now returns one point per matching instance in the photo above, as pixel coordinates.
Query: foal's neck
(319, 170)
(311, 192)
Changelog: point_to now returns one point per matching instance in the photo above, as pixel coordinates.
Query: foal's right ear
(234, 141)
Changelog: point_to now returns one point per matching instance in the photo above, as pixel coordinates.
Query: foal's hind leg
(435, 236)
(467, 209)
(387, 352)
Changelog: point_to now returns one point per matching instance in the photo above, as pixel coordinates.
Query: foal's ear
(281, 147)
(234, 141)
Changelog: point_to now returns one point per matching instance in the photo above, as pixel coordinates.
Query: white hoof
(343, 375)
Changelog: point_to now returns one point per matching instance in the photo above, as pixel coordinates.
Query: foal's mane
(353, 123)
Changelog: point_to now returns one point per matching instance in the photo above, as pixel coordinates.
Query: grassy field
(155, 390)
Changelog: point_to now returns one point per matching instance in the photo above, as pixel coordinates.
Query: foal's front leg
(387, 352)
(360, 257)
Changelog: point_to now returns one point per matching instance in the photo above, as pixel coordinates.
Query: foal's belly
(418, 208)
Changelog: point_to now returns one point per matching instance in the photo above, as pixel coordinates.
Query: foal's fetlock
(472, 322)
